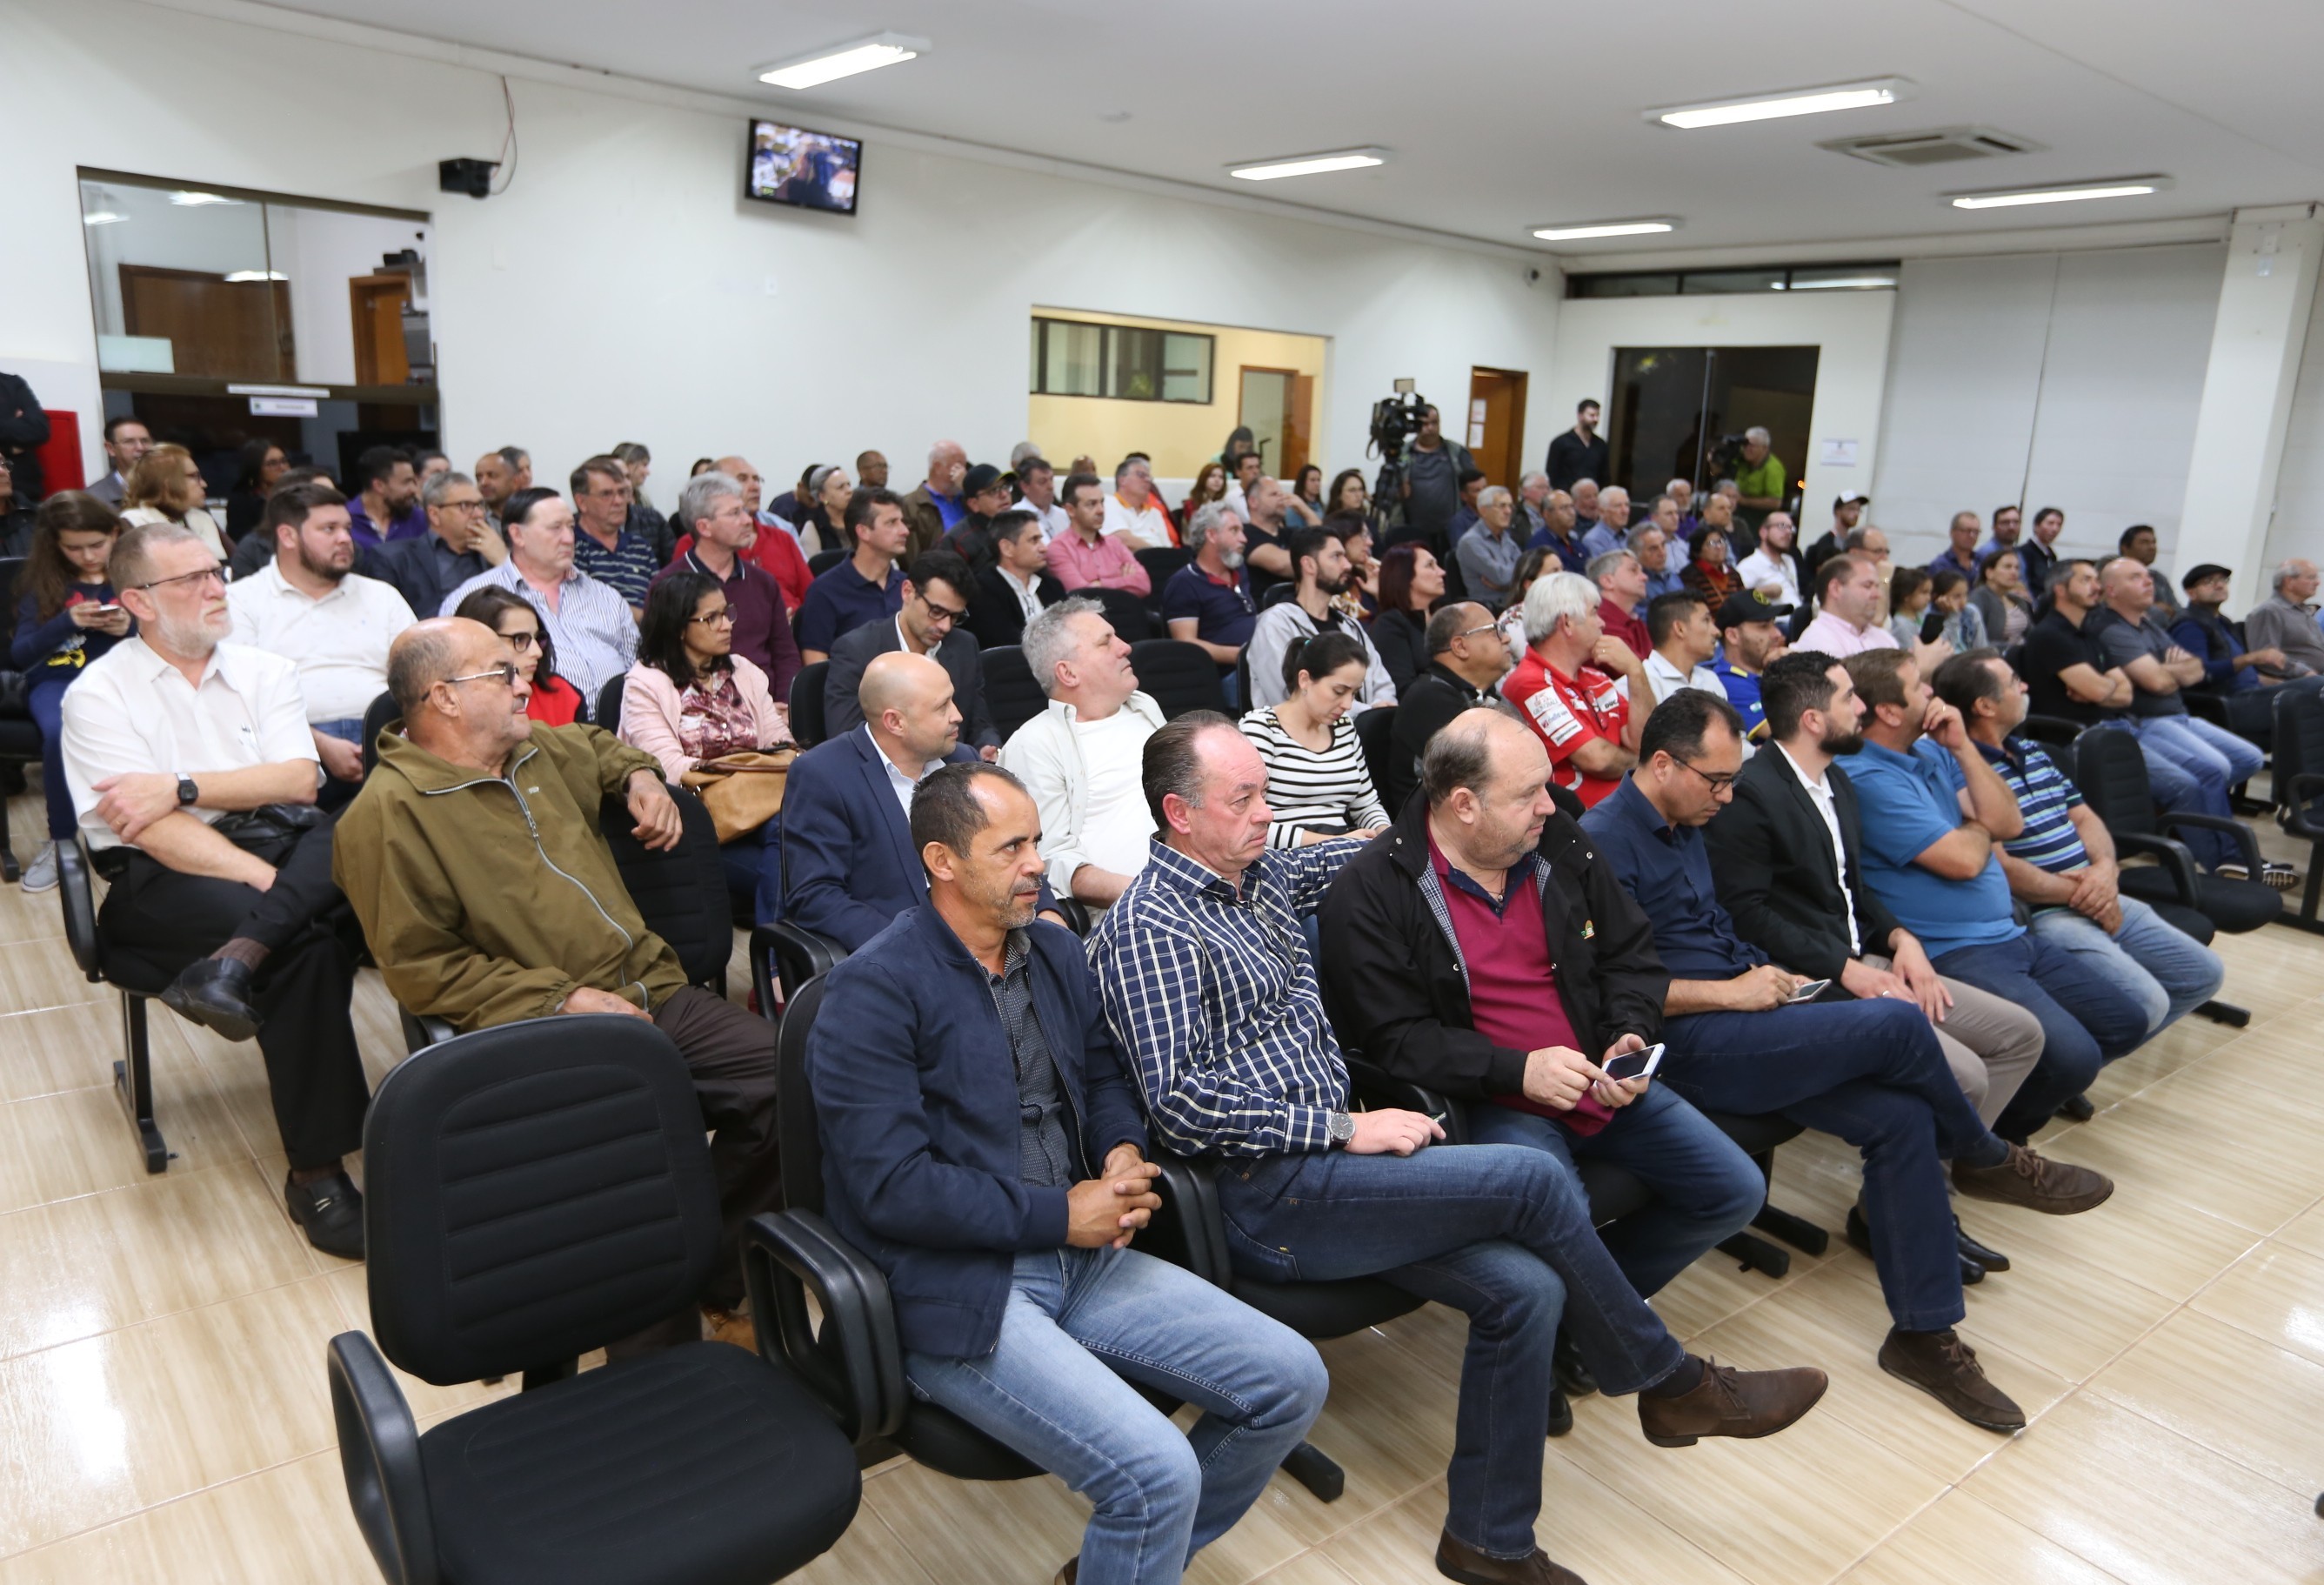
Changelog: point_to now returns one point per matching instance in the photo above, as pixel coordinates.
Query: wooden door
(1298, 426)
(217, 328)
(1496, 424)
(375, 305)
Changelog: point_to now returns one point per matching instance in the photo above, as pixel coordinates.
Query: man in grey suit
(932, 622)
(126, 440)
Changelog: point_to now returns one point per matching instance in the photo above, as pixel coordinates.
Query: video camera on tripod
(1396, 419)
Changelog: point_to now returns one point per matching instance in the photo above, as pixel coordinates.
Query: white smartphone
(1811, 990)
(1635, 1065)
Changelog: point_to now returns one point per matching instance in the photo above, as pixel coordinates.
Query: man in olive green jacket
(487, 894)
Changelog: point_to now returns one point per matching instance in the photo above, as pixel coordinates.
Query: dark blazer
(412, 567)
(843, 712)
(994, 617)
(1401, 636)
(849, 865)
(1425, 707)
(1394, 989)
(1771, 861)
(916, 1101)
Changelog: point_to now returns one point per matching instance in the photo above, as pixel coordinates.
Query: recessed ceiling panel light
(1584, 231)
(808, 71)
(2127, 187)
(1856, 96)
(1310, 164)
(196, 200)
(102, 217)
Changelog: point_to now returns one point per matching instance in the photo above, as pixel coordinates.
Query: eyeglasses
(1717, 783)
(712, 618)
(205, 573)
(940, 613)
(1470, 632)
(503, 674)
(521, 642)
(476, 505)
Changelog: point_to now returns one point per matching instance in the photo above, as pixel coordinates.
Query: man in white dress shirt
(1684, 638)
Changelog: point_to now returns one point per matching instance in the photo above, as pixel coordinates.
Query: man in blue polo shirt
(2063, 865)
(1749, 637)
(1868, 1070)
(1936, 814)
(866, 587)
(1206, 602)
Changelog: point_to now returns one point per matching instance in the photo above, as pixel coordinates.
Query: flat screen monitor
(808, 169)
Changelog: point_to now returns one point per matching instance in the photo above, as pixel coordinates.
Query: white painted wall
(2061, 379)
(622, 289)
(2298, 526)
(1851, 328)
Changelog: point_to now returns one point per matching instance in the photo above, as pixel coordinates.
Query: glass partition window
(1126, 362)
(1872, 277)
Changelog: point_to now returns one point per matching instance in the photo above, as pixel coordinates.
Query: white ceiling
(1506, 113)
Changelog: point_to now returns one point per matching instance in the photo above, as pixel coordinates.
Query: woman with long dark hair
(66, 617)
(261, 468)
(167, 487)
(690, 698)
(1347, 494)
(1411, 583)
(1210, 484)
(1306, 501)
(554, 702)
(1317, 782)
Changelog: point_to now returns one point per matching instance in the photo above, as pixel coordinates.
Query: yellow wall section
(1179, 435)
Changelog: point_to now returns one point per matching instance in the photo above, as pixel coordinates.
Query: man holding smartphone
(1437, 943)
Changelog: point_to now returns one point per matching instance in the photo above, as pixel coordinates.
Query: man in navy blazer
(849, 864)
(932, 622)
(984, 1147)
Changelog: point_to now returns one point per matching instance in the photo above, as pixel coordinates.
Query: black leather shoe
(1573, 1377)
(329, 1211)
(215, 992)
(1970, 1250)
(2077, 1109)
(1561, 1412)
(1859, 1239)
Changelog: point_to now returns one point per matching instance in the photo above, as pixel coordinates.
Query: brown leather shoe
(1456, 1560)
(1945, 1368)
(2034, 1182)
(1727, 1401)
(1070, 1572)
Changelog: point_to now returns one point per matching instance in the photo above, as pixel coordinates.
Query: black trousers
(155, 921)
(731, 1052)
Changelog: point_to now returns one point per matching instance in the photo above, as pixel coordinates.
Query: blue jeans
(1873, 1073)
(753, 863)
(335, 793)
(2086, 1021)
(2148, 961)
(44, 696)
(1706, 1189)
(1080, 1326)
(1498, 1232)
(2190, 764)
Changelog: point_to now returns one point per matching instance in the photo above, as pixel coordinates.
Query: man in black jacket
(1437, 942)
(23, 430)
(1466, 656)
(932, 622)
(1795, 891)
(1017, 587)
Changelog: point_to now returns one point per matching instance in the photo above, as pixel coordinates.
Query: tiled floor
(163, 1413)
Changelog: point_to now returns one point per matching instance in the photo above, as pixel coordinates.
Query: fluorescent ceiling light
(1310, 164)
(2129, 187)
(1846, 283)
(241, 275)
(196, 200)
(809, 71)
(1604, 229)
(102, 217)
(1857, 96)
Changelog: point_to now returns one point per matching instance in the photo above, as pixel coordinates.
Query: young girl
(1908, 604)
(66, 617)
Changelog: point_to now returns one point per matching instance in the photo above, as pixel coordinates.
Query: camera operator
(1431, 490)
(1760, 478)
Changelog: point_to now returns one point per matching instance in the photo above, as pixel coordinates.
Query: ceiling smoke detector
(1944, 145)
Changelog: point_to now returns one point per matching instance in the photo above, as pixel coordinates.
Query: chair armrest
(78, 894)
(856, 1367)
(1076, 916)
(421, 1031)
(2247, 843)
(2050, 728)
(1371, 1086)
(2174, 856)
(379, 1454)
(2306, 785)
(2204, 706)
(1187, 1230)
(789, 946)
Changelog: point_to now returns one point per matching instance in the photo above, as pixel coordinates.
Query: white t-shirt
(339, 642)
(1759, 568)
(1147, 529)
(1117, 825)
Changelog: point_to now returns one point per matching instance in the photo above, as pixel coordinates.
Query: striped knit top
(1330, 789)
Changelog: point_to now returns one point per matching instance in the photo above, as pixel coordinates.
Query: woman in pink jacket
(689, 698)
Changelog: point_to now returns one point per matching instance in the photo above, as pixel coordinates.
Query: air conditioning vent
(1945, 145)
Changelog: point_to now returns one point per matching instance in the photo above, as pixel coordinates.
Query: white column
(2264, 300)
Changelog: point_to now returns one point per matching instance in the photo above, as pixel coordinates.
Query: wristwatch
(187, 791)
(1342, 1128)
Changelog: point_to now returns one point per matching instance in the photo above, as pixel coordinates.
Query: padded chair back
(1179, 676)
(533, 1191)
(802, 1143)
(681, 894)
(1011, 692)
(376, 715)
(1372, 729)
(823, 561)
(2110, 769)
(1126, 612)
(609, 702)
(807, 704)
(1162, 563)
(1277, 595)
(2298, 740)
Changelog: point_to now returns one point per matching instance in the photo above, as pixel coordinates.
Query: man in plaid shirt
(1204, 974)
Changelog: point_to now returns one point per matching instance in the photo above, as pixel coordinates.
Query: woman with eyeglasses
(690, 698)
(66, 616)
(165, 486)
(554, 702)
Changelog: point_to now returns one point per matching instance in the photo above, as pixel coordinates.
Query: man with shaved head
(847, 850)
(475, 859)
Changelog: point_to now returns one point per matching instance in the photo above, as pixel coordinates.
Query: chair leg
(2225, 1012)
(10, 870)
(132, 1081)
(1757, 1254)
(1315, 1470)
(1797, 1232)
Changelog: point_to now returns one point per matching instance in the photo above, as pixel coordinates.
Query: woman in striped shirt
(1317, 781)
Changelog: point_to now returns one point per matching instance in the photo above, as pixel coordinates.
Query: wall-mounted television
(808, 169)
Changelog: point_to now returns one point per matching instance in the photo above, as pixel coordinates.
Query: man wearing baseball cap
(1751, 634)
(1846, 511)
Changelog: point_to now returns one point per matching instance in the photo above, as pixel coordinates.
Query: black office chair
(2297, 777)
(534, 1192)
(20, 734)
(1177, 676)
(609, 702)
(1372, 729)
(807, 704)
(823, 561)
(1125, 612)
(133, 1075)
(1278, 594)
(377, 714)
(1011, 692)
(2058, 735)
(1161, 562)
